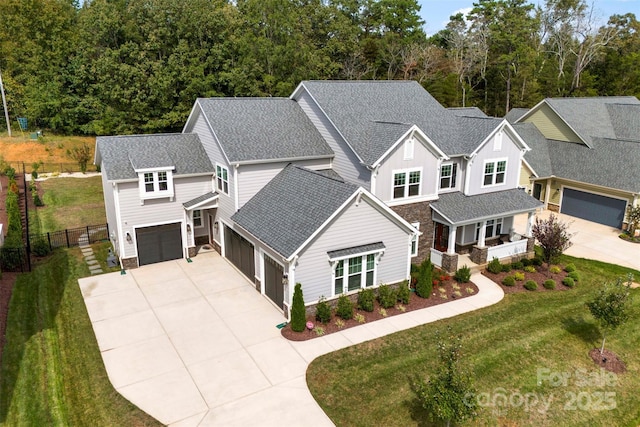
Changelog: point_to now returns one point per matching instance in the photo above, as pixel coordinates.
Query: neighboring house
(341, 186)
(585, 155)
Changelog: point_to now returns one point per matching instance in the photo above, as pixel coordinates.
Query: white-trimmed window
(197, 218)
(448, 174)
(414, 240)
(493, 228)
(353, 273)
(155, 184)
(222, 179)
(495, 172)
(407, 183)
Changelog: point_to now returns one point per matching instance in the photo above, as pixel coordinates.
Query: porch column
(451, 244)
(547, 194)
(530, 220)
(483, 234)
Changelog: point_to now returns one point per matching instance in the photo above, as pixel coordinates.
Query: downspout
(467, 175)
(236, 198)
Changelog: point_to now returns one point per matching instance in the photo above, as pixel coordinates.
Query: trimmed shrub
(568, 282)
(344, 309)
(298, 312)
(41, 248)
(424, 286)
(37, 200)
(494, 266)
(537, 261)
(518, 265)
(323, 311)
(554, 269)
(366, 297)
(505, 268)
(549, 284)
(574, 275)
(529, 269)
(531, 285)
(519, 276)
(404, 293)
(526, 262)
(509, 281)
(387, 296)
(570, 268)
(463, 274)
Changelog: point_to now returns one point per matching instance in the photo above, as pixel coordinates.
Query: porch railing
(436, 257)
(507, 249)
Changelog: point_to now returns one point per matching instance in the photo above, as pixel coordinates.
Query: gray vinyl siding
(422, 158)
(109, 205)
(510, 151)
(251, 178)
(157, 211)
(357, 225)
(346, 163)
(460, 174)
(551, 125)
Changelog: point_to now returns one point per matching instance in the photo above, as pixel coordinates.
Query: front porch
(473, 230)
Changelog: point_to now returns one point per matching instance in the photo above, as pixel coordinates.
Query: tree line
(137, 66)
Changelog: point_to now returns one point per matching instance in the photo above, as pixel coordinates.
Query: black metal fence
(71, 237)
(14, 259)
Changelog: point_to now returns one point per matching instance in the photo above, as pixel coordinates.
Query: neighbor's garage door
(240, 252)
(273, 286)
(159, 243)
(593, 207)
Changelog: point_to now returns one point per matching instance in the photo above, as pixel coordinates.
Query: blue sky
(436, 12)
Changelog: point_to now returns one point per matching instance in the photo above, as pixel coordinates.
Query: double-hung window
(493, 228)
(222, 179)
(197, 218)
(406, 183)
(494, 172)
(357, 272)
(448, 174)
(414, 240)
(155, 184)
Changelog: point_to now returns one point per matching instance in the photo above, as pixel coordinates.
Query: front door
(537, 190)
(441, 237)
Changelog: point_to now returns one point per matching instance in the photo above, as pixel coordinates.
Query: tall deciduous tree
(553, 237)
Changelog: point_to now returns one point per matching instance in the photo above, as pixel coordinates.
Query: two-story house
(339, 187)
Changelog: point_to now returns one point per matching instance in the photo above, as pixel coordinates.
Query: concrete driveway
(194, 344)
(593, 241)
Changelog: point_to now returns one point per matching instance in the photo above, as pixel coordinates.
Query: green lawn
(507, 347)
(52, 373)
(71, 202)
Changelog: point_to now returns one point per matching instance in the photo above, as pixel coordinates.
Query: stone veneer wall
(129, 263)
(419, 212)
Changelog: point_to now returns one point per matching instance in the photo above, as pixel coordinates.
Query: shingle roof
(122, 155)
(625, 120)
(379, 138)
(515, 113)
(252, 129)
(467, 112)
(590, 117)
(354, 250)
(460, 209)
(538, 157)
(292, 206)
(204, 198)
(354, 105)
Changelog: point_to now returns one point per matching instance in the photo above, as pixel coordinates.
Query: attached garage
(159, 243)
(240, 252)
(273, 287)
(593, 207)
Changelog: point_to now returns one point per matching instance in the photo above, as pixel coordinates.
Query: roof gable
(263, 129)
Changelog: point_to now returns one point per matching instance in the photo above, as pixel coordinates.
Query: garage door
(593, 207)
(239, 251)
(273, 286)
(159, 243)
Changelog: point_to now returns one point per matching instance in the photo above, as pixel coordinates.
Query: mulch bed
(415, 303)
(542, 273)
(608, 360)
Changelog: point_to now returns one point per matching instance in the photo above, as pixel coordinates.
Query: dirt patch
(438, 295)
(608, 360)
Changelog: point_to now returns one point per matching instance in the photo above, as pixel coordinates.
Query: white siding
(508, 150)
(251, 178)
(357, 225)
(346, 163)
(109, 205)
(158, 211)
(460, 174)
(422, 158)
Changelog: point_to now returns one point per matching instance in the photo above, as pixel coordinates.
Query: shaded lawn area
(507, 348)
(71, 203)
(52, 372)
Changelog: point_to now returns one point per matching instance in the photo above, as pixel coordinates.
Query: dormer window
(155, 184)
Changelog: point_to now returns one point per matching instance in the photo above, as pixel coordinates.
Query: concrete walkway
(193, 344)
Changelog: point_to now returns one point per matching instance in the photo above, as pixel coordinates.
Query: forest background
(137, 66)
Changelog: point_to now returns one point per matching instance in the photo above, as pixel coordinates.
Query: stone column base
(129, 263)
(479, 254)
(450, 262)
(192, 251)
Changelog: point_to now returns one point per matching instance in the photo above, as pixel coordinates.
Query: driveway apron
(194, 344)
